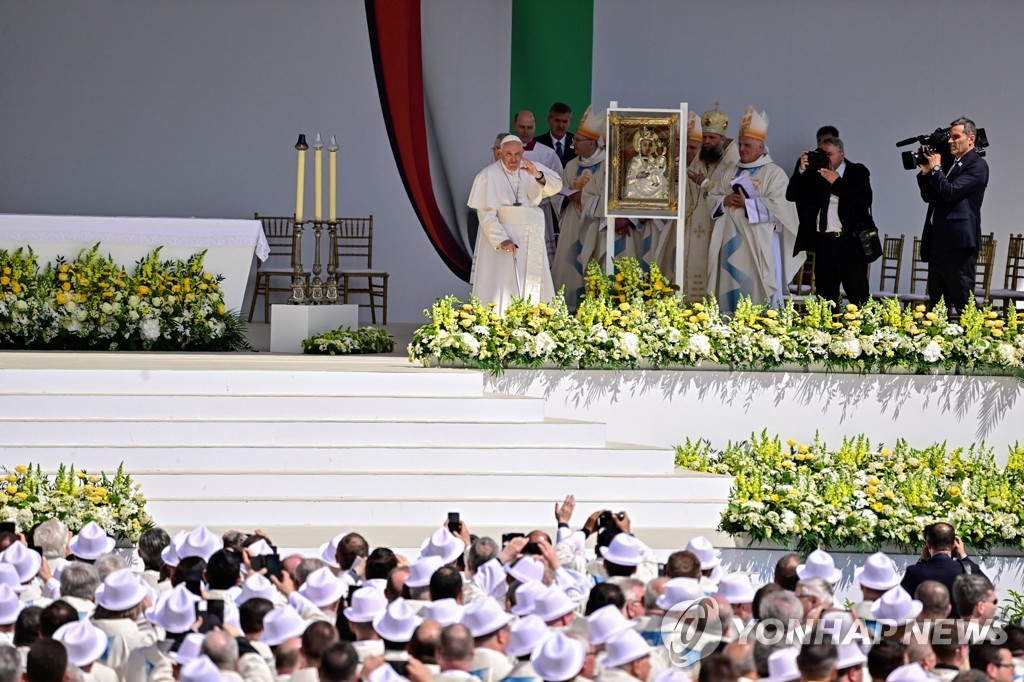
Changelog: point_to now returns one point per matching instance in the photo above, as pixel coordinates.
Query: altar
(229, 243)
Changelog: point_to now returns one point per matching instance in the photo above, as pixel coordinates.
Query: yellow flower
(11, 478)
(15, 287)
(954, 490)
(997, 333)
(94, 478)
(618, 277)
(802, 449)
(886, 452)
(851, 307)
(793, 492)
(7, 270)
(79, 474)
(932, 316)
(61, 299)
(920, 309)
(5, 280)
(775, 498)
(877, 506)
(623, 306)
(66, 286)
(11, 489)
(873, 480)
(698, 307)
(143, 290)
(22, 496)
(203, 286)
(21, 469)
(64, 268)
(992, 314)
(791, 443)
(221, 309)
(207, 276)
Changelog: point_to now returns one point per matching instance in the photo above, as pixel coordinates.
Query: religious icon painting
(643, 151)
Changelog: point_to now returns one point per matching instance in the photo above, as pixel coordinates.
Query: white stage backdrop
(191, 108)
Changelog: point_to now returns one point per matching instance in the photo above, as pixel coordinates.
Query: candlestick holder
(299, 294)
(331, 288)
(316, 287)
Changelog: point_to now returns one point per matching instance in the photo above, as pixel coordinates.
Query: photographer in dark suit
(942, 559)
(833, 200)
(952, 226)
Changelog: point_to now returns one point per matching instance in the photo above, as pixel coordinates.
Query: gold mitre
(714, 121)
(693, 127)
(591, 125)
(754, 124)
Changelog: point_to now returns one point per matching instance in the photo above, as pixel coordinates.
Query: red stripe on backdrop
(398, 61)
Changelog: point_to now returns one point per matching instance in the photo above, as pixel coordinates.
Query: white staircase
(308, 447)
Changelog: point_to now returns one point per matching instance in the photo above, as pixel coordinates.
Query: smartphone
(11, 527)
(454, 524)
(271, 562)
(215, 612)
(532, 548)
(509, 537)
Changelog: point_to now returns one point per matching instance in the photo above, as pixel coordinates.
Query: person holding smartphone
(942, 559)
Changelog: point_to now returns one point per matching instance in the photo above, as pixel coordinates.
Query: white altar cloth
(230, 244)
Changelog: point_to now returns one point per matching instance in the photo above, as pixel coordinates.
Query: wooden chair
(355, 242)
(278, 230)
(983, 268)
(918, 277)
(891, 265)
(803, 283)
(1013, 276)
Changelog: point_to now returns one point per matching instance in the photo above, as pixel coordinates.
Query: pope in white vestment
(754, 230)
(510, 259)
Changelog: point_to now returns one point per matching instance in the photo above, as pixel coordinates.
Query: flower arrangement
(633, 318)
(862, 497)
(29, 497)
(93, 303)
(345, 341)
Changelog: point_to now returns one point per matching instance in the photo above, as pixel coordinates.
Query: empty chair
(891, 265)
(1013, 276)
(355, 243)
(279, 232)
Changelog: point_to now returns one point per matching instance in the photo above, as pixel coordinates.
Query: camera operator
(833, 200)
(952, 226)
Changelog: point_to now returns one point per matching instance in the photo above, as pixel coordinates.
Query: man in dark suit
(833, 203)
(952, 226)
(942, 560)
(558, 136)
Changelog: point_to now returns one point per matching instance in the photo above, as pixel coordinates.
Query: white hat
(200, 669)
(679, 594)
(896, 607)
(484, 616)
(849, 656)
(877, 573)
(702, 548)
(625, 647)
(672, 673)
(735, 588)
(170, 553)
(259, 548)
(624, 550)
(397, 623)
(693, 129)
(524, 636)
(120, 591)
(526, 570)
(384, 673)
(558, 658)
(526, 598)
(819, 565)
(366, 604)
(443, 544)
(329, 551)
(782, 665)
(91, 542)
(9, 576)
(422, 570)
(174, 610)
(84, 641)
(10, 605)
(912, 672)
(282, 624)
(322, 587)
(754, 124)
(189, 649)
(256, 585)
(443, 611)
(511, 138)
(605, 623)
(552, 604)
(25, 562)
(200, 542)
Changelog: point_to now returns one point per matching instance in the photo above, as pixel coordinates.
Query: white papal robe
(495, 195)
(752, 259)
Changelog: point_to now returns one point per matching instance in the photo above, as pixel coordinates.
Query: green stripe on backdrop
(552, 57)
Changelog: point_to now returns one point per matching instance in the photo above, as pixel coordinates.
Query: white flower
(852, 347)
(470, 342)
(157, 302)
(932, 352)
(699, 345)
(21, 305)
(70, 306)
(481, 330)
(149, 329)
(771, 343)
(545, 344)
(630, 344)
(133, 301)
(1007, 354)
(107, 308)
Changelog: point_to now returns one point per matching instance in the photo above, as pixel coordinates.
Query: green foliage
(345, 341)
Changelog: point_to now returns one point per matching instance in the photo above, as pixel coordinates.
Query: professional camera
(817, 159)
(607, 520)
(937, 142)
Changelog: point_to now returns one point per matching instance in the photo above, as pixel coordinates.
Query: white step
(614, 458)
(360, 513)
(247, 382)
(489, 407)
(301, 433)
(414, 486)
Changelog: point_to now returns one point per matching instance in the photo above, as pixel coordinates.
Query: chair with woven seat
(918, 277)
(983, 267)
(1013, 276)
(802, 285)
(278, 230)
(354, 242)
(891, 265)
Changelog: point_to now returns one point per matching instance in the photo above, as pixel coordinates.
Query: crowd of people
(205, 608)
(748, 225)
